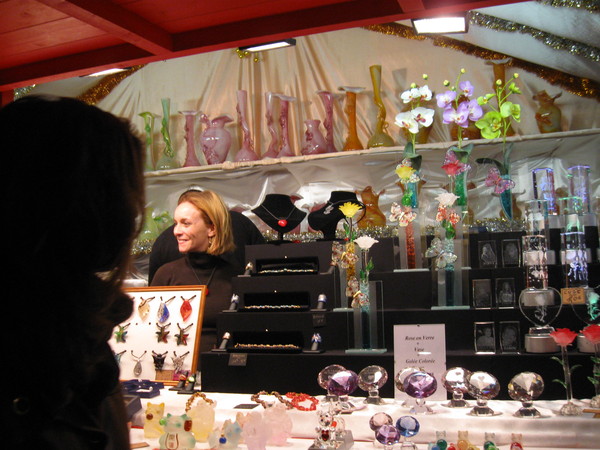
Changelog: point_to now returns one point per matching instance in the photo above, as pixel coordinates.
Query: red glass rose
(563, 336)
(592, 333)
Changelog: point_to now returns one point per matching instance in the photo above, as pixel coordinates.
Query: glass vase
(149, 141)
(190, 122)
(506, 200)
(327, 98)
(167, 160)
(352, 140)
(569, 408)
(215, 139)
(314, 141)
(273, 148)
(285, 148)
(380, 137)
(246, 152)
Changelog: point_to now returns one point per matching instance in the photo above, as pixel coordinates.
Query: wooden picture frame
(142, 335)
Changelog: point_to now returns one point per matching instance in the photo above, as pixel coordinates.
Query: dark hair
(73, 187)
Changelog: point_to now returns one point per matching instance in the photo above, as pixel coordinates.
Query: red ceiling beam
(119, 22)
(408, 6)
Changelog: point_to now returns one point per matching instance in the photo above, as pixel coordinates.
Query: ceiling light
(107, 72)
(269, 45)
(440, 25)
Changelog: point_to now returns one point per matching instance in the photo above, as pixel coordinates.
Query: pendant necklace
(281, 222)
(186, 307)
(178, 361)
(137, 369)
(210, 277)
(121, 333)
(162, 334)
(182, 335)
(163, 312)
(144, 307)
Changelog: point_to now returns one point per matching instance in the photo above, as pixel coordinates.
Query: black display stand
(279, 212)
(326, 219)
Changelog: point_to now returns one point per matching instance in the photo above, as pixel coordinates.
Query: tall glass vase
(363, 308)
(506, 200)
(286, 147)
(380, 137)
(543, 187)
(327, 98)
(167, 160)
(149, 142)
(273, 148)
(246, 152)
(190, 122)
(574, 255)
(352, 140)
(579, 186)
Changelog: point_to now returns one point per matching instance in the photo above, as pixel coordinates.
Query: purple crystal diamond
(379, 419)
(420, 384)
(387, 435)
(408, 426)
(342, 383)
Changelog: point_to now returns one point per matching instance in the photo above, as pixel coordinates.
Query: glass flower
(490, 125)
(446, 199)
(563, 336)
(349, 209)
(592, 333)
(365, 242)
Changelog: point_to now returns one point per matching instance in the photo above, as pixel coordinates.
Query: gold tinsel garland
(582, 87)
(551, 40)
(589, 5)
(104, 87)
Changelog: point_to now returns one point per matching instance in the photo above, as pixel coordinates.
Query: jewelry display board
(159, 341)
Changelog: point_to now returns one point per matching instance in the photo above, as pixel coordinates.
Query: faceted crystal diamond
(454, 379)
(380, 419)
(483, 385)
(420, 384)
(323, 377)
(526, 386)
(372, 377)
(387, 435)
(408, 426)
(343, 383)
(401, 376)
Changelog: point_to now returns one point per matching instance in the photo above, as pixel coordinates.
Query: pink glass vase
(273, 149)
(215, 139)
(314, 141)
(327, 98)
(285, 149)
(190, 157)
(246, 153)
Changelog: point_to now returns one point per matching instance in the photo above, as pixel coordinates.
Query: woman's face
(191, 230)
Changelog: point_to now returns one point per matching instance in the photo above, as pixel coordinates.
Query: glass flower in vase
(411, 122)
(461, 111)
(443, 249)
(349, 257)
(361, 301)
(563, 338)
(592, 334)
(497, 124)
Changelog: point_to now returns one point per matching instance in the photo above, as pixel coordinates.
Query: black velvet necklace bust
(279, 212)
(326, 218)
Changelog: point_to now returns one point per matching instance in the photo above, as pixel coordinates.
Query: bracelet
(256, 398)
(299, 398)
(194, 396)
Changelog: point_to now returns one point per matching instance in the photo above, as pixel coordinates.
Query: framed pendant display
(161, 338)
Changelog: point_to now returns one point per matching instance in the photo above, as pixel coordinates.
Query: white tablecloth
(550, 432)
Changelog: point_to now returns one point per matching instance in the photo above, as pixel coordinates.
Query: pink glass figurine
(273, 149)
(215, 139)
(327, 99)
(190, 157)
(285, 149)
(314, 142)
(246, 153)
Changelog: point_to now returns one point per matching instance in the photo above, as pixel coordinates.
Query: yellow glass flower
(404, 172)
(349, 209)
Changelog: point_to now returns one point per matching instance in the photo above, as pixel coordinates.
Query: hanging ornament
(121, 333)
(162, 333)
(186, 307)
(163, 312)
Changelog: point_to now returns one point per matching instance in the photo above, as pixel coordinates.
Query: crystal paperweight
(401, 376)
(483, 386)
(408, 427)
(388, 435)
(454, 381)
(370, 380)
(420, 385)
(342, 384)
(380, 419)
(525, 387)
(323, 379)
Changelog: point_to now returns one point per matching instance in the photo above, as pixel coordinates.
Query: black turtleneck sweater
(202, 269)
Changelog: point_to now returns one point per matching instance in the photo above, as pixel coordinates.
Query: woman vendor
(203, 233)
